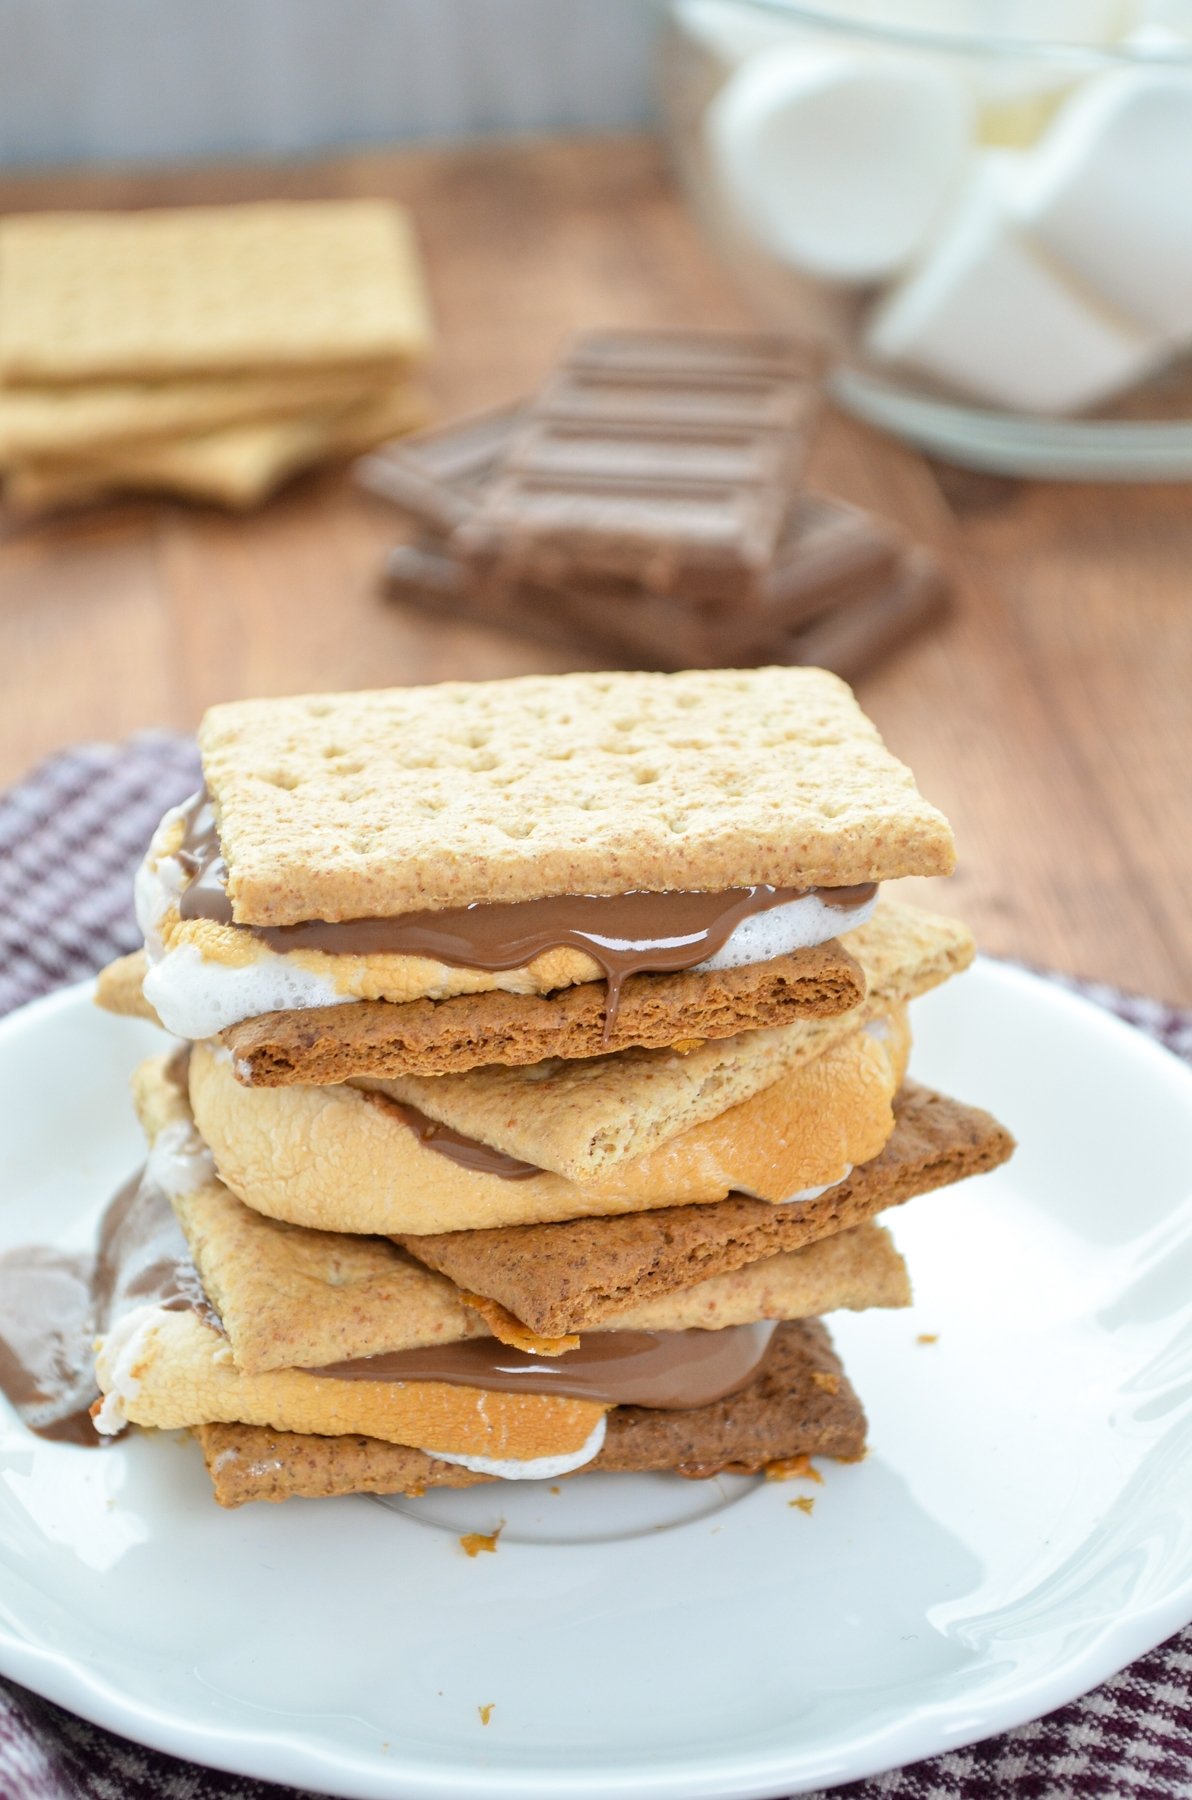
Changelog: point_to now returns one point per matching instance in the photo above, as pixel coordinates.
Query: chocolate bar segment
(702, 357)
(698, 538)
(841, 590)
(852, 639)
(827, 551)
(433, 475)
(666, 459)
(844, 592)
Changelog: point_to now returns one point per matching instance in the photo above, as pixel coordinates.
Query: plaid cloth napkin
(1130, 1739)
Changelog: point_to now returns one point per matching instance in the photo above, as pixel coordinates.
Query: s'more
(428, 880)
(544, 1086)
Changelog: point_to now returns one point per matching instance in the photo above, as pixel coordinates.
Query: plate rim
(271, 1755)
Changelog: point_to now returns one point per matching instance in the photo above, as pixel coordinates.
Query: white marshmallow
(159, 881)
(540, 1468)
(813, 1193)
(179, 1161)
(117, 1356)
(1108, 192)
(798, 925)
(807, 1193)
(989, 316)
(840, 161)
(195, 998)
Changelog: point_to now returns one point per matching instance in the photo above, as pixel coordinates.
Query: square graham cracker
(568, 1277)
(209, 290)
(57, 423)
(345, 806)
(320, 1046)
(237, 466)
(799, 1404)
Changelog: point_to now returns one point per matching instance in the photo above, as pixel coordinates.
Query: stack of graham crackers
(208, 352)
(545, 1079)
(648, 503)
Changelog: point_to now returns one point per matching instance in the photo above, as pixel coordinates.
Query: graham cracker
(290, 1297)
(567, 1277)
(851, 1271)
(581, 1118)
(800, 1404)
(62, 422)
(342, 806)
(296, 1299)
(209, 290)
(119, 988)
(372, 1173)
(171, 1369)
(324, 1044)
(30, 489)
(238, 466)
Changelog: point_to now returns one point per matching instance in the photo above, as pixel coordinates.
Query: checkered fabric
(71, 837)
(75, 831)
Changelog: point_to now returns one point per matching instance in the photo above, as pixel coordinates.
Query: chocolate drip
(47, 1324)
(469, 1153)
(201, 856)
(625, 934)
(661, 1369)
(53, 1305)
(177, 1069)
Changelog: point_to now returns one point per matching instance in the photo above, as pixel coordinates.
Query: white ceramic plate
(1021, 1529)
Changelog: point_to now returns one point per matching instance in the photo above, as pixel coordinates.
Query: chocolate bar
(829, 555)
(666, 459)
(841, 587)
(827, 551)
(849, 632)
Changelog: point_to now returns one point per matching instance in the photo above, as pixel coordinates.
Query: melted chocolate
(469, 1153)
(47, 1324)
(201, 856)
(625, 934)
(53, 1305)
(658, 1369)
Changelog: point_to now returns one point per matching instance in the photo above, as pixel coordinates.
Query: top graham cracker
(343, 806)
(208, 290)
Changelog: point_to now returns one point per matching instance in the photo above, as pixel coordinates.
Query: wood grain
(1051, 716)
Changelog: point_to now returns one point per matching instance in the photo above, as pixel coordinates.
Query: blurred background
(129, 81)
(974, 216)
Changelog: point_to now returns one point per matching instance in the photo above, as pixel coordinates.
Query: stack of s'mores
(544, 1076)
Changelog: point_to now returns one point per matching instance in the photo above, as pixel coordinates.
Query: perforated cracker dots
(208, 290)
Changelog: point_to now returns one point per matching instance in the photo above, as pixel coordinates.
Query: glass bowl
(982, 209)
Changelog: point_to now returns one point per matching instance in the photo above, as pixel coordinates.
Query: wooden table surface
(1051, 716)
